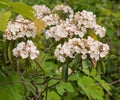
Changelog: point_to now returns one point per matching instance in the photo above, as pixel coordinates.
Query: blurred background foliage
(108, 15)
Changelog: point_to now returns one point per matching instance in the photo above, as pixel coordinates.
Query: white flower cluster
(78, 25)
(19, 28)
(87, 20)
(73, 28)
(86, 47)
(41, 10)
(25, 50)
(65, 29)
(51, 19)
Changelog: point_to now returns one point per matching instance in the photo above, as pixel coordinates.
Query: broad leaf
(23, 9)
(67, 86)
(4, 3)
(4, 18)
(52, 95)
(65, 72)
(10, 50)
(60, 90)
(91, 89)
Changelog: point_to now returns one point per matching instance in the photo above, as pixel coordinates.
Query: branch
(46, 92)
(115, 82)
(40, 67)
(54, 85)
(23, 79)
(49, 47)
(38, 92)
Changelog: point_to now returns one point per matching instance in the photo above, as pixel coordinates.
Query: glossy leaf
(4, 3)
(53, 96)
(4, 18)
(67, 86)
(91, 89)
(65, 72)
(10, 50)
(23, 9)
(60, 90)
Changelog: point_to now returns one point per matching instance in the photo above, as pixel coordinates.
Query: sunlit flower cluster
(41, 10)
(86, 47)
(51, 19)
(26, 50)
(63, 30)
(74, 29)
(87, 20)
(78, 25)
(19, 28)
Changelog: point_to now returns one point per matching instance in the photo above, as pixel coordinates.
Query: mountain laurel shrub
(51, 54)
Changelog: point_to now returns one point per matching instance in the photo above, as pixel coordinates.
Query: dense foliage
(46, 78)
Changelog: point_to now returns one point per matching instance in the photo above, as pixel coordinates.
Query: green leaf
(86, 71)
(105, 85)
(67, 86)
(60, 90)
(4, 3)
(87, 81)
(23, 9)
(65, 72)
(86, 63)
(110, 32)
(91, 89)
(116, 14)
(103, 67)
(9, 51)
(75, 62)
(52, 95)
(83, 84)
(105, 11)
(11, 87)
(74, 77)
(93, 72)
(4, 18)
(96, 92)
(98, 68)
(50, 68)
